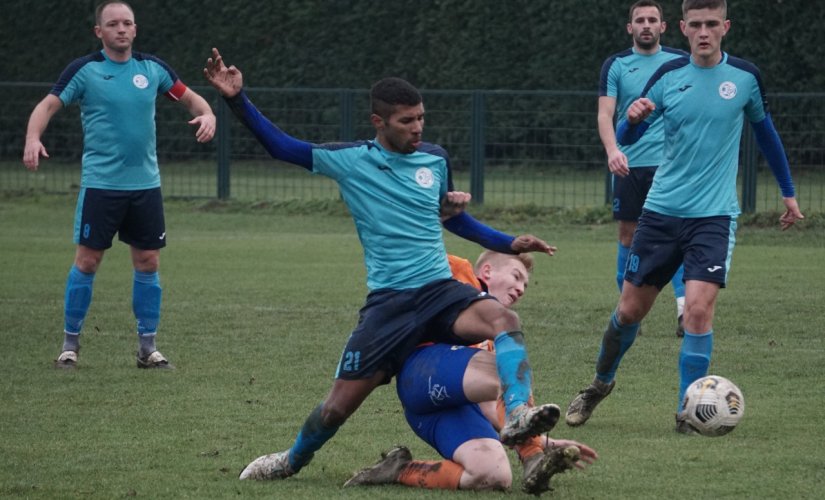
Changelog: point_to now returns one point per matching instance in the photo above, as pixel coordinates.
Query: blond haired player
(451, 400)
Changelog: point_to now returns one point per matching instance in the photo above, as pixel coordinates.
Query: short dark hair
(392, 91)
(103, 5)
(703, 4)
(645, 3)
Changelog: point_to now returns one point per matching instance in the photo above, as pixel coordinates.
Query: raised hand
(228, 81)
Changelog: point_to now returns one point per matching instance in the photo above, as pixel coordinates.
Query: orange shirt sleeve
(462, 270)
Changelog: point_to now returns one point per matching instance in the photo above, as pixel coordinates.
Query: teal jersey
(703, 111)
(395, 201)
(117, 110)
(623, 76)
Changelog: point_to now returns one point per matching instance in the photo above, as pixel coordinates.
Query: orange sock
(530, 447)
(501, 413)
(443, 475)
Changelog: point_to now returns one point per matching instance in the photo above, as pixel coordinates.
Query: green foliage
(257, 304)
(458, 44)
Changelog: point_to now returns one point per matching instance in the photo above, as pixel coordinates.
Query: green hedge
(437, 44)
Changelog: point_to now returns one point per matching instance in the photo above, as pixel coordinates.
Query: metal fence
(508, 148)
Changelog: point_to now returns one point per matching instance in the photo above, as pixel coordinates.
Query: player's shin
(77, 299)
(615, 343)
(678, 282)
(443, 474)
(312, 437)
(146, 299)
(513, 369)
(621, 262)
(694, 360)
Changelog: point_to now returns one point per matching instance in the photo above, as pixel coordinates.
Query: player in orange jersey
(451, 399)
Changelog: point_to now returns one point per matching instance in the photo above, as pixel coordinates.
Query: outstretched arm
(280, 145)
(39, 120)
(469, 228)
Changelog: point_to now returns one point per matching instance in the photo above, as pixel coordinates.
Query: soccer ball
(713, 405)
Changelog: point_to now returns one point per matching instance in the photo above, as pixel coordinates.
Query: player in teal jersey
(633, 166)
(690, 213)
(116, 89)
(399, 192)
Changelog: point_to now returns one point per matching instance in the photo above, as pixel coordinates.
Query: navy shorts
(393, 322)
(136, 217)
(430, 387)
(661, 243)
(630, 192)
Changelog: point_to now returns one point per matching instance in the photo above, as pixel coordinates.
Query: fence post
(749, 156)
(223, 150)
(477, 147)
(347, 132)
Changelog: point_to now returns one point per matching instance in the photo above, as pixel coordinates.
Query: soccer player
(622, 78)
(690, 213)
(398, 190)
(450, 396)
(116, 89)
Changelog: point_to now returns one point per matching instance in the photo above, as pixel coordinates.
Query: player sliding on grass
(399, 190)
(690, 213)
(450, 396)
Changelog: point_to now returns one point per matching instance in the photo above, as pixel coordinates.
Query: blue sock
(616, 341)
(513, 369)
(621, 263)
(678, 282)
(312, 437)
(694, 360)
(146, 296)
(77, 299)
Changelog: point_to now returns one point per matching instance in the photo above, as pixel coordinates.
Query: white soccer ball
(714, 405)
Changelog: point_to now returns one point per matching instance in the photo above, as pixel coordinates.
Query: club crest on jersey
(424, 177)
(727, 90)
(140, 81)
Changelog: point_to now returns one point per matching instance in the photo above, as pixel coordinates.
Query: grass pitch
(258, 304)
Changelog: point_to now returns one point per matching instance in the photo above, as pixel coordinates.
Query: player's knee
(486, 465)
(630, 312)
(506, 320)
(146, 262)
(493, 475)
(698, 319)
(87, 263)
